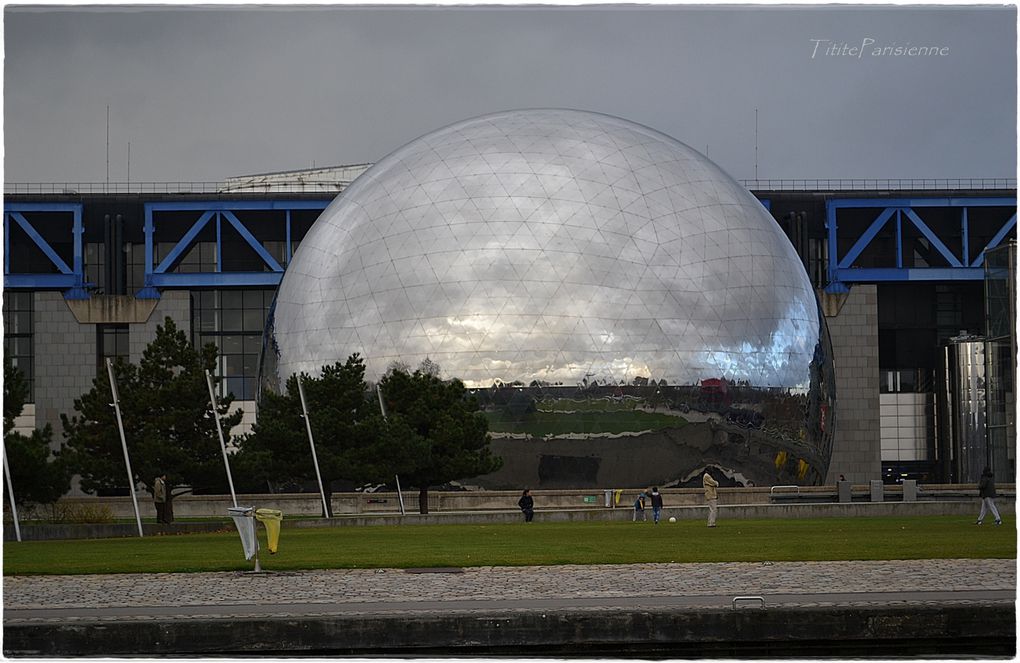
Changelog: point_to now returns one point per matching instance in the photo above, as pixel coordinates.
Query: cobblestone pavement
(232, 594)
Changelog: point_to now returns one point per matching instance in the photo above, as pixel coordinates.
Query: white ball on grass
(672, 519)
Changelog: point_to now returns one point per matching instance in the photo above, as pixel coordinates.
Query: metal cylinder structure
(962, 409)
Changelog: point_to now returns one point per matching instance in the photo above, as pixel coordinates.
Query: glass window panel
(231, 299)
(235, 386)
(248, 389)
(252, 299)
(235, 364)
(232, 320)
(232, 345)
(207, 319)
(251, 364)
(252, 344)
(254, 319)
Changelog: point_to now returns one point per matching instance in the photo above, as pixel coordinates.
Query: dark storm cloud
(206, 94)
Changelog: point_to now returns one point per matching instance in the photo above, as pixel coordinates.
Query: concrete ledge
(726, 512)
(968, 630)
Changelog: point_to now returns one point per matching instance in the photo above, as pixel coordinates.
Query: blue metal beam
(999, 236)
(842, 270)
(252, 242)
(839, 203)
(43, 245)
(217, 280)
(221, 208)
(41, 281)
(909, 274)
(865, 239)
(933, 238)
(72, 278)
(183, 245)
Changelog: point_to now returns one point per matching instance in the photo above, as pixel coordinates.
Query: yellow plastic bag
(271, 518)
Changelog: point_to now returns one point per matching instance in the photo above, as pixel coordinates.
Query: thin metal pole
(219, 430)
(311, 441)
(400, 495)
(255, 524)
(10, 492)
(123, 443)
(382, 405)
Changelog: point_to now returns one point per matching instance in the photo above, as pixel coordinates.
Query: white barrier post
(123, 443)
(311, 441)
(219, 430)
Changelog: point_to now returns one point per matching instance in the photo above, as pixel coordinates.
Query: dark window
(18, 339)
(95, 266)
(112, 342)
(233, 321)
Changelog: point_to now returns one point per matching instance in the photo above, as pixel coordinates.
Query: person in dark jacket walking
(656, 504)
(527, 504)
(986, 491)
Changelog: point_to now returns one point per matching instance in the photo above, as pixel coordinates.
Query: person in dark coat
(656, 504)
(986, 491)
(527, 504)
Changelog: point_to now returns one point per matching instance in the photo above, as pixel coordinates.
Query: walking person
(656, 504)
(711, 496)
(159, 497)
(986, 491)
(527, 504)
(639, 507)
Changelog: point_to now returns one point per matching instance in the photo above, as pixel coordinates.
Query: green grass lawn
(408, 546)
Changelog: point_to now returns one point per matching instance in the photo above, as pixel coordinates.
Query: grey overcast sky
(203, 94)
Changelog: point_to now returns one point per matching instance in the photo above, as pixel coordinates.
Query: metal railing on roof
(82, 188)
(321, 186)
(945, 184)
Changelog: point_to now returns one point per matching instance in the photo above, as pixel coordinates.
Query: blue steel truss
(70, 279)
(842, 271)
(217, 212)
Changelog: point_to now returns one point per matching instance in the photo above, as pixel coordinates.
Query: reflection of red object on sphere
(714, 390)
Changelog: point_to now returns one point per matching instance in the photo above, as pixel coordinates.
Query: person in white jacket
(711, 497)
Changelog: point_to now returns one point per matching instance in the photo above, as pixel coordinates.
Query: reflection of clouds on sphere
(550, 245)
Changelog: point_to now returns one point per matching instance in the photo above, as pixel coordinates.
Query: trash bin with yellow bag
(271, 518)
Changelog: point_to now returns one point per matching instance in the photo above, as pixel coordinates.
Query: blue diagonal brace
(254, 243)
(933, 238)
(41, 243)
(865, 239)
(999, 236)
(184, 244)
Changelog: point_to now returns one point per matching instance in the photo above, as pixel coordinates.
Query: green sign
(589, 499)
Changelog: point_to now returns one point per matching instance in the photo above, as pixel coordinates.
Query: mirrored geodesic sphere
(626, 313)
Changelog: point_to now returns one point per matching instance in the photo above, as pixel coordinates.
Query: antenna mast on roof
(756, 143)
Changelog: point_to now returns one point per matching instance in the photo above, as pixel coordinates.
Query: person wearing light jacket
(711, 497)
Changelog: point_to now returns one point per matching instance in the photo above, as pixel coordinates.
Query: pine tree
(445, 424)
(352, 440)
(168, 422)
(39, 475)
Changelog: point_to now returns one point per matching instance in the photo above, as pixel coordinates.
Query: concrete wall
(310, 504)
(65, 359)
(853, 328)
(173, 303)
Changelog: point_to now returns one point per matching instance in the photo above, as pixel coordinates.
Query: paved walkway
(35, 599)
